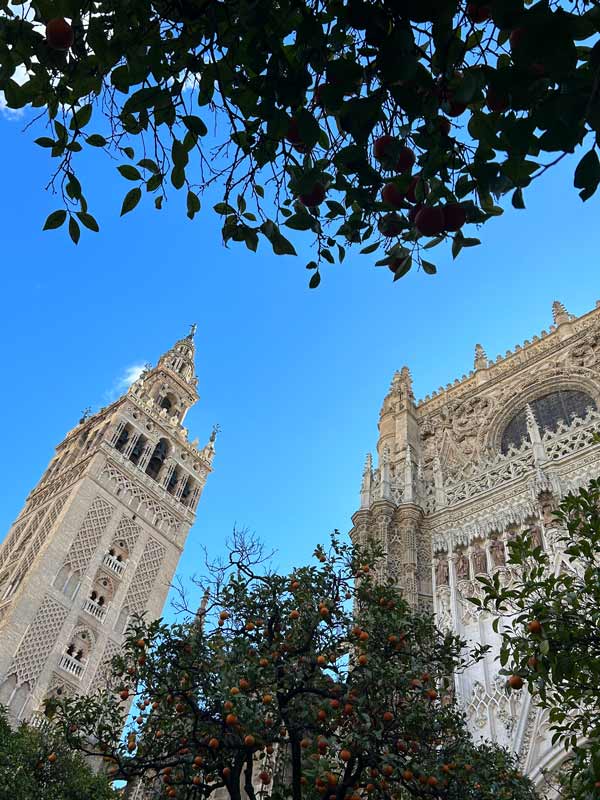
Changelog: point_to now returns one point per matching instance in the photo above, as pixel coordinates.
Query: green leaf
(193, 204)
(132, 198)
(81, 117)
(251, 239)
(129, 172)
(587, 174)
(88, 221)
(315, 280)
(282, 246)
(61, 132)
(195, 125)
(55, 220)
(153, 183)
(74, 229)
(370, 248)
(299, 222)
(457, 244)
(224, 208)
(428, 267)
(95, 140)
(45, 141)
(148, 163)
(517, 199)
(177, 177)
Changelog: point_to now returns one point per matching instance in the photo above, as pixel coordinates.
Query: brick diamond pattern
(41, 535)
(9, 548)
(38, 641)
(89, 535)
(143, 580)
(102, 674)
(128, 532)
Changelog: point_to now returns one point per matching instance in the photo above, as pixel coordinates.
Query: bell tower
(100, 537)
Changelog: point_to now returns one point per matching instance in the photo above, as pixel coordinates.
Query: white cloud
(123, 382)
(129, 376)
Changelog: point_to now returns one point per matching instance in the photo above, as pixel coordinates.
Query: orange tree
(551, 638)
(36, 765)
(386, 124)
(281, 687)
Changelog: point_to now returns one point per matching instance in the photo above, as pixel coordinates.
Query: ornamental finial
(560, 313)
(193, 329)
(481, 359)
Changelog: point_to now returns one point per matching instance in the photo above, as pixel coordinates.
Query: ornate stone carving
(145, 576)
(498, 553)
(441, 572)
(462, 567)
(38, 641)
(88, 537)
(479, 561)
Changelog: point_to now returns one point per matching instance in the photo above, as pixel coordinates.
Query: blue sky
(294, 377)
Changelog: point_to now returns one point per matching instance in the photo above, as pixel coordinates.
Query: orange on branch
(515, 682)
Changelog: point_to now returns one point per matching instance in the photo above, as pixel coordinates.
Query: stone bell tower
(100, 537)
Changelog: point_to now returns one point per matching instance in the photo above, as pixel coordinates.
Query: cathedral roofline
(563, 323)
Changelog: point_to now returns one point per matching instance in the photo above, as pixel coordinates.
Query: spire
(208, 451)
(180, 358)
(365, 488)
(402, 384)
(560, 313)
(481, 359)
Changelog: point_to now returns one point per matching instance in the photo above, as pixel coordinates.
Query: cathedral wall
(480, 461)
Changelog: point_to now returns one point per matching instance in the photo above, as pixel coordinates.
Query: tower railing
(97, 611)
(40, 721)
(118, 567)
(72, 665)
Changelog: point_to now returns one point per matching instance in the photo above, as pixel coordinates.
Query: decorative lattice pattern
(39, 641)
(102, 675)
(11, 540)
(128, 532)
(38, 539)
(145, 576)
(9, 547)
(57, 485)
(148, 507)
(89, 535)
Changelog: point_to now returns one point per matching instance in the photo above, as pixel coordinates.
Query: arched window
(173, 481)
(186, 495)
(123, 438)
(138, 449)
(158, 459)
(549, 410)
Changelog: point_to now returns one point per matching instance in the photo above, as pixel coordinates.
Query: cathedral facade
(99, 538)
(463, 471)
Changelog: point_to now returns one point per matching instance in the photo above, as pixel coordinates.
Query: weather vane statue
(193, 329)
